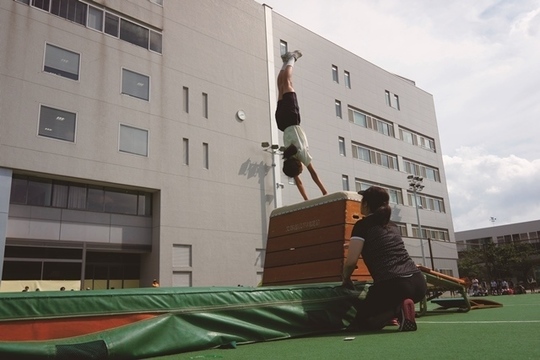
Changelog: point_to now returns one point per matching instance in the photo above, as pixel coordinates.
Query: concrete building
(131, 131)
(524, 232)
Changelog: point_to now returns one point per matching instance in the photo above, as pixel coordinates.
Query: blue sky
(481, 62)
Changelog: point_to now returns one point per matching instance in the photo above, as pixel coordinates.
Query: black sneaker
(407, 321)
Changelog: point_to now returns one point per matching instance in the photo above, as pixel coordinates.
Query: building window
(181, 256)
(133, 33)
(59, 195)
(347, 78)
(42, 4)
(205, 105)
(402, 229)
(186, 151)
(136, 85)
(185, 95)
(359, 119)
(103, 270)
(427, 143)
(73, 10)
(396, 196)
(206, 157)
(112, 24)
(417, 139)
(427, 202)
(345, 182)
(338, 109)
(182, 259)
(425, 171)
(95, 18)
(61, 62)
(341, 142)
(156, 42)
(371, 122)
(283, 47)
(39, 192)
(18, 190)
(407, 136)
(383, 127)
(92, 17)
(62, 194)
(335, 75)
(392, 100)
(361, 153)
(432, 233)
(374, 156)
(133, 140)
(57, 124)
(112, 201)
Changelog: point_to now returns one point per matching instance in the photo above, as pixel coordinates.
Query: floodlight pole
(415, 184)
(276, 151)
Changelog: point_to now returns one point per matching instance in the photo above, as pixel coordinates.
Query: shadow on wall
(259, 170)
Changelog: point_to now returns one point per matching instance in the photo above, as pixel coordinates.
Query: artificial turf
(508, 332)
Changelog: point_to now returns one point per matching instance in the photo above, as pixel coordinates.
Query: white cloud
(482, 186)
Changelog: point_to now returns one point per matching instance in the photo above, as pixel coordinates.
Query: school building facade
(131, 132)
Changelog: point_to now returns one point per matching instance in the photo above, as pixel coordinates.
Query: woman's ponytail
(382, 214)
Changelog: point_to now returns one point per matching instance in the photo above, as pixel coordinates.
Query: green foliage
(490, 261)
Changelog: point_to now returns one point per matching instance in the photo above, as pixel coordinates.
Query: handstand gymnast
(295, 141)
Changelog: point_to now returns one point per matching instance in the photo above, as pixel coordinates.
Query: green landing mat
(175, 320)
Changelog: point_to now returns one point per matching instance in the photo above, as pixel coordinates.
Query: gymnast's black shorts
(287, 112)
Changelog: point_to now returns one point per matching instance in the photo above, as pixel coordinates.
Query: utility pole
(415, 184)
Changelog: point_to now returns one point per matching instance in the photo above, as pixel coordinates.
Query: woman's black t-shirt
(384, 251)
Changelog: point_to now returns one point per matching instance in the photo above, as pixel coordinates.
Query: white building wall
(217, 48)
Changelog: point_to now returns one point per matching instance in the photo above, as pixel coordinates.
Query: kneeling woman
(397, 282)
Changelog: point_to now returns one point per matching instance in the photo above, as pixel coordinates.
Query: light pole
(415, 184)
(276, 151)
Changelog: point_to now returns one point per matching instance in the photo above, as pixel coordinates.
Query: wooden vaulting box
(308, 242)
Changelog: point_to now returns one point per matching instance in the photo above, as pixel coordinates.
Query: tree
(497, 261)
(471, 264)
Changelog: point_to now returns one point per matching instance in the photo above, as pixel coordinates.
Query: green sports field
(508, 332)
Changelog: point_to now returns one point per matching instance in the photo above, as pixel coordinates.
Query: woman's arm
(355, 249)
(315, 178)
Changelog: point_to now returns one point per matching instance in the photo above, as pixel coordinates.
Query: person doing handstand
(295, 141)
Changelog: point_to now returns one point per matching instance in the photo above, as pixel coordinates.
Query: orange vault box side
(308, 241)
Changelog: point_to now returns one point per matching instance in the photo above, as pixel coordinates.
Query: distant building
(525, 232)
(131, 131)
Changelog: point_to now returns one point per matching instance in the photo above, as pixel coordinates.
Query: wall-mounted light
(273, 148)
(241, 115)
